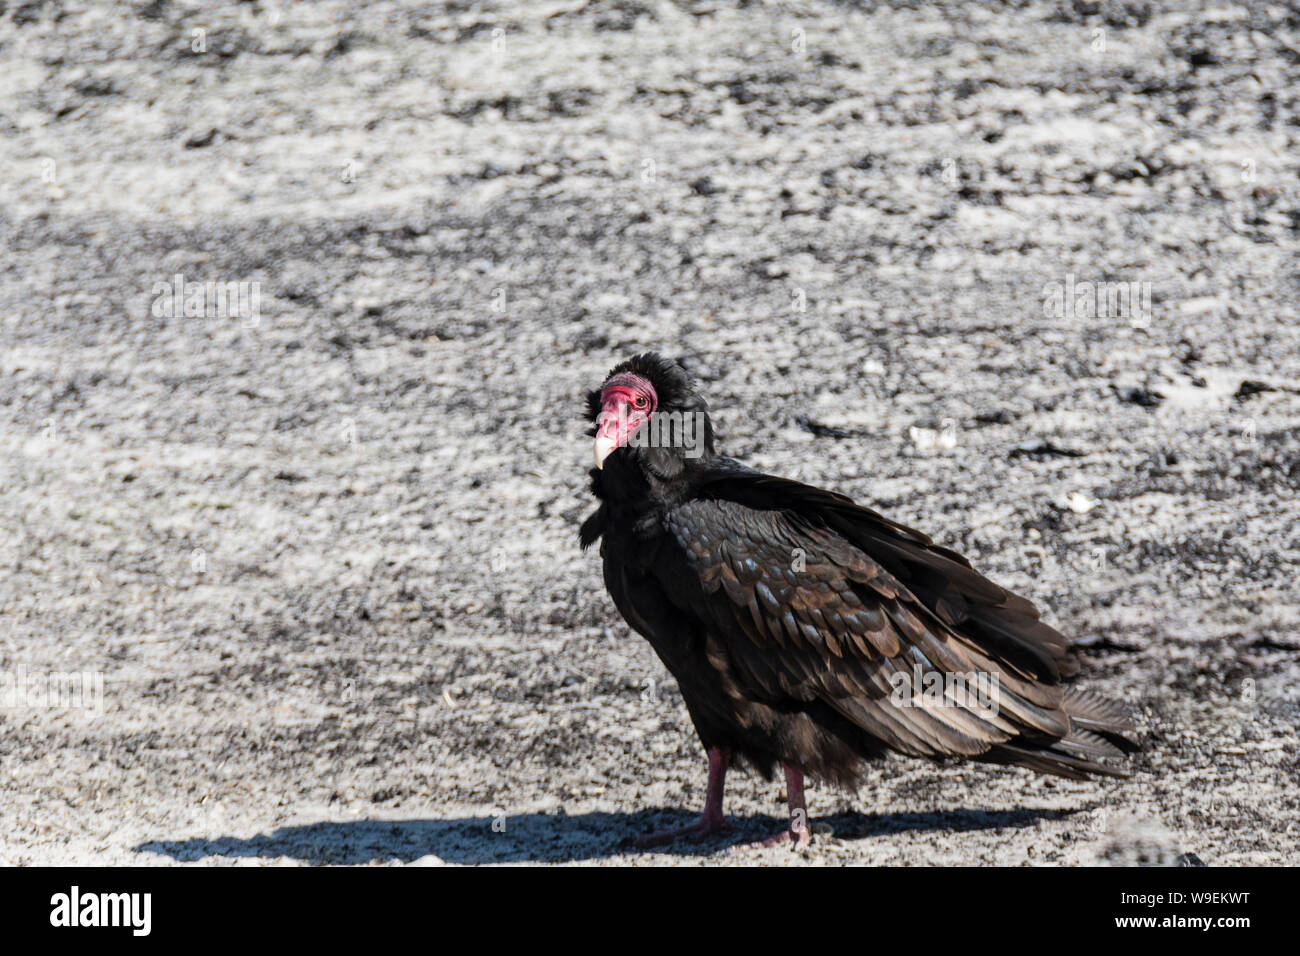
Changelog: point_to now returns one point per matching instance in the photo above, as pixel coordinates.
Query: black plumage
(790, 616)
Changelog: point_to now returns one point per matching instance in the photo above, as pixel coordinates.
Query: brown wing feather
(804, 615)
(939, 579)
(819, 600)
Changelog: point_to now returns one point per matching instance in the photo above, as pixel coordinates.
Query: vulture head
(647, 414)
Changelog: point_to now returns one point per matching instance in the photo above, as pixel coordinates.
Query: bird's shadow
(552, 838)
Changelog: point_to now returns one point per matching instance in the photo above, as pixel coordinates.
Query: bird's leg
(799, 832)
(800, 828)
(719, 761)
(711, 820)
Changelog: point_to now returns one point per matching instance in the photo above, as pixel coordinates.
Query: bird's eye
(640, 402)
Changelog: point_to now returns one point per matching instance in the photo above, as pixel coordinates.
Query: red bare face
(626, 401)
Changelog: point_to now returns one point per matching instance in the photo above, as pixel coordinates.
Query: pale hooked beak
(604, 445)
(609, 427)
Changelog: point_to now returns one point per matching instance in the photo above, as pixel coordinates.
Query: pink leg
(711, 820)
(800, 833)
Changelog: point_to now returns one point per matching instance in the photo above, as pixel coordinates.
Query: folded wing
(813, 598)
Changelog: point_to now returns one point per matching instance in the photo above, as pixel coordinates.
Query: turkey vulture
(808, 631)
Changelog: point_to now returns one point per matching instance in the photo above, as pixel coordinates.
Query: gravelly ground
(324, 556)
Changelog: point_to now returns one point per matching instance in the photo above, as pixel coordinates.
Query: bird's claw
(800, 838)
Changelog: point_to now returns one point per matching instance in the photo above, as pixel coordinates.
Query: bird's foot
(702, 829)
(799, 833)
(799, 836)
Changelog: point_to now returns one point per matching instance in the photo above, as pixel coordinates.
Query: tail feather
(1084, 743)
(1089, 711)
(1099, 730)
